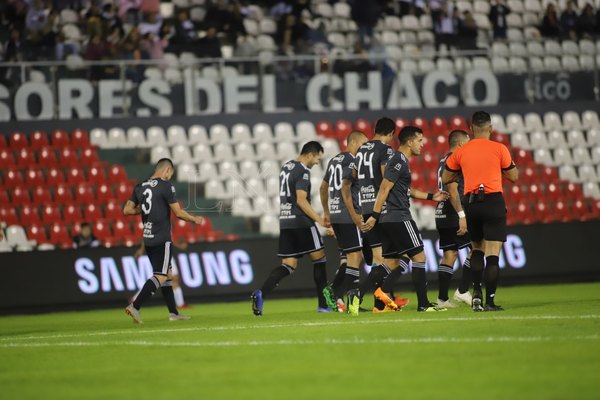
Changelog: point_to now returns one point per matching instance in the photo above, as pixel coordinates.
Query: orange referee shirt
(481, 161)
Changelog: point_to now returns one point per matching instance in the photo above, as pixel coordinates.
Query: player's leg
(319, 262)
(351, 281)
(492, 269)
(462, 294)
(445, 272)
(177, 290)
(169, 296)
(340, 272)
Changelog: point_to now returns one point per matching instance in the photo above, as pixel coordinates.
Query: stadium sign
(103, 277)
(80, 98)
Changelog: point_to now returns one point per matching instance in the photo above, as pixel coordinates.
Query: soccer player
(345, 221)
(399, 233)
(483, 163)
(154, 199)
(451, 224)
(371, 159)
(298, 232)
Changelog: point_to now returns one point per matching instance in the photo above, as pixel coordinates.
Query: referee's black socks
(492, 270)
(477, 270)
(276, 275)
(147, 291)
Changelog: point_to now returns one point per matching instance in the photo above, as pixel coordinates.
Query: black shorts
(487, 219)
(400, 238)
(449, 240)
(160, 258)
(373, 237)
(299, 241)
(348, 237)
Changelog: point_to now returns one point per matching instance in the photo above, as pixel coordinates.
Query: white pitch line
(348, 321)
(354, 341)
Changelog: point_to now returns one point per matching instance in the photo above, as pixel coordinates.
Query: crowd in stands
(136, 29)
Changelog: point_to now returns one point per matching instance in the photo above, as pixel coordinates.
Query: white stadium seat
(240, 133)
(244, 151)
(136, 138)
(262, 133)
(159, 152)
(571, 120)
(116, 139)
(533, 122)
(265, 151)
(552, 121)
(543, 156)
(587, 173)
(556, 139)
(219, 134)
(306, 131)
(519, 139)
(514, 123)
(575, 138)
(539, 140)
(98, 137)
(249, 169)
(16, 237)
(498, 123)
(214, 189)
(187, 173)
(581, 156)
(284, 131)
(286, 151)
(181, 154)
(155, 136)
(207, 171)
(590, 120)
(562, 156)
(176, 135)
(223, 152)
(202, 152)
(197, 134)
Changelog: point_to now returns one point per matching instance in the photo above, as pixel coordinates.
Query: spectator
(13, 51)
(153, 46)
(405, 7)
(132, 51)
(366, 13)
(129, 11)
(210, 46)
(96, 51)
(447, 29)
(86, 238)
(185, 32)
(36, 16)
(110, 19)
(233, 23)
(568, 21)
(216, 14)
(47, 38)
(290, 33)
(151, 24)
(498, 13)
(468, 32)
(16, 12)
(587, 22)
(93, 21)
(419, 7)
(550, 26)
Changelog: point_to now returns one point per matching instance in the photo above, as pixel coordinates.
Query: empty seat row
(80, 193)
(556, 139)
(550, 121)
(33, 177)
(563, 156)
(39, 139)
(47, 157)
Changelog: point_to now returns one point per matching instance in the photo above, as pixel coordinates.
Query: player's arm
(512, 173)
(304, 205)
(140, 251)
(449, 176)
(384, 191)
(421, 195)
(324, 193)
(452, 169)
(455, 201)
(347, 198)
(509, 169)
(131, 208)
(184, 215)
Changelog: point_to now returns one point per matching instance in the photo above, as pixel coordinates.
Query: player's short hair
(455, 136)
(164, 162)
(85, 225)
(480, 119)
(385, 126)
(407, 133)
(312, 147)
(355, 135)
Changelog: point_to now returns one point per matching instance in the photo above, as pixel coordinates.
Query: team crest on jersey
(338, 158)
(403, 157)
(289, 165)
(390, 151)
(368, 146)
(151, 182)
(306, 177)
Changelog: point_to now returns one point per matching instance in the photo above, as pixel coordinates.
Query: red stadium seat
(80, 138)
(39, 139)
(458, 122)
(131, 241)
(501, 138)
(117, 174)
(364, 126)
(561, 213)
(542, 213)
(182, 230)
(548, 174)
(34, 177)
(92, 212)
(6, 159)
(595, 206)
(84, 194)
(101, 230)
(121, 229)
(89, 156)
(123, 192)
(59, 236)
(37, 233)
(25, 158)
(50, 215)
(423, 124)
(18, 141)
(29, 216)
(72, 215)
(529, 176)
(62, 194)
(12, 178)
(573, 191)
(553, 192)
(515, 194)
(324, 129)
(138, 228)
(20, 195)
(534, 193)
(401, 123)
(68, 157)
(54, 177)
(580, 210)
(41, 196)
(104, 193)
(523, 158)
(96, 175)
(60, 138)
(113, 210)
(3, 144)
(521, 214)
(8, 215)
(438, 126)
(47, 157)
(4, 199)
(342, 129)
(75, 176)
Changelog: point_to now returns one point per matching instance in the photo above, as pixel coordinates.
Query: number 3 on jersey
(368, 161)
(147, 205)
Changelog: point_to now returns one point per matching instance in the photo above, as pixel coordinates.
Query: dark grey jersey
(339, 168)
(445, 214)
(293, 176)
(154, 197)
(370, 158)
(397, 206)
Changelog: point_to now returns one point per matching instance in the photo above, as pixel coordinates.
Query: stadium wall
(224, 271)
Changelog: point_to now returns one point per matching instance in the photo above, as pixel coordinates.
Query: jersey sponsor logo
(368, 146)
(173, 189)
(289, 165)
(151, 182)
(306, 176)
(339, 158)
(398, 166)
(390, 151)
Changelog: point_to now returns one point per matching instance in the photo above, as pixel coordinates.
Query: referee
(483, 163)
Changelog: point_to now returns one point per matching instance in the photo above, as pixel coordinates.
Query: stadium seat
(176, 135)
(223, 152)
(51, 215)
(25, 158)
(197, 135)
(556, 139)
(539, 140)
(39, 139)
(136, 138)
(80, 138)
(181, 154)
(72, 215)
(112, 210)
(84, 194)
(287, 151)
(581, 156)
(575, 138)
(75, 176)
(122, 229)
(552, 121)
(3, 144)
(590, 120)
(6, 159)
(18, 141)
(155, 136)
(207, 171)
(324, 128)
(19, 196)
(88, 156)
(34, 178)
(266, 151)
(4, 199)
(28, 215)
(54, 176)
(202, 152)
(240, 133)
(38, 234)
(98, 137)
(62, 194)
(12, 178)
(116, 173)
(101, 230)
(8, 215)
(68, 157)
(96, 176)
(533, 122)
(47, 157)
(214, 189)
(219, 134)
(60, 138)
(305, 130)
(104, 193)
(17, 238)
(59, 236)
(284, 131)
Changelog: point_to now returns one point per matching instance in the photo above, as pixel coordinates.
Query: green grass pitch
(546, 345)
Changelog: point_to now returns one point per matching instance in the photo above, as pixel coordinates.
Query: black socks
(147, 291)
(492, 270)
(444, 276)
(167, 291)
(467, 277)
(477, 270)
(275, 277)
(320, 277)
(420, 282)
